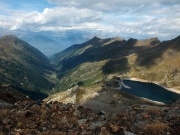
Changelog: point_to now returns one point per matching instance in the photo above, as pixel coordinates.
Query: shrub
(153, 111)
(157, 128)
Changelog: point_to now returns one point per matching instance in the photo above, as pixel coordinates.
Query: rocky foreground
(20, 115)
(31, 118)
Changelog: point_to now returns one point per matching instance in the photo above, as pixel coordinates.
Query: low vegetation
(97, 59)
(23, 66)
(157, 128)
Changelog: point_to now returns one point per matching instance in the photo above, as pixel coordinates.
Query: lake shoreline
(141, 80)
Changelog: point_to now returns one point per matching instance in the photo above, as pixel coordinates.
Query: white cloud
(51, 17)
(137, 19)
(115, 5)
(69, 15)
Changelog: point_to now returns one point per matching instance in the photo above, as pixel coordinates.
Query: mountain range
(78, 90)
(91, 62)
(47, 42)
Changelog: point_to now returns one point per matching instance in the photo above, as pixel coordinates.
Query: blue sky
(25, 5)
(137, 19)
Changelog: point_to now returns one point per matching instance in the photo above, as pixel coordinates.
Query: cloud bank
(138, 19)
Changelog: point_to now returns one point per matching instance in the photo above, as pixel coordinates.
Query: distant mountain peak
(132, 40)
(154, 39)
(95, 38)
(119, 38)
(9, 37)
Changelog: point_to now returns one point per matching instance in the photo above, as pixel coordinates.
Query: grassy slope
(97, 59)
(22, 65)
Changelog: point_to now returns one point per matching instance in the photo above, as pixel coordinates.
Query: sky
(138, 19)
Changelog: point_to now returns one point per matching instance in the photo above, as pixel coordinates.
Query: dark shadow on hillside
(149, 55)
(119, 101)
(35, 95)
(140, 93)
(94, 54)
(118, 65)
(114, 101)
(116, 51)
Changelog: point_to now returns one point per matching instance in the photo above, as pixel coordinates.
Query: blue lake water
(150, 91)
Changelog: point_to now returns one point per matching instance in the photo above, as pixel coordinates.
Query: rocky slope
(20, 115)
(59, 119)
(9, 96)
(89, 63)
(100, 99)
(22, 65)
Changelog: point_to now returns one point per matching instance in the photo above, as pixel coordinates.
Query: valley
(83, 80)
(76, 67)
(90, 63)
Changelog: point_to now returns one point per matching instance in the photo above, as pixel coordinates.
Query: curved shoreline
(141, 80)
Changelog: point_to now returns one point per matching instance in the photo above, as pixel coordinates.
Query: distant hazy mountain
(46, 45)
(47, 42)
(89, 63)
(22, 65)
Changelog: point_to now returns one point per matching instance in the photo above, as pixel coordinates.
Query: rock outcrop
(108, 98)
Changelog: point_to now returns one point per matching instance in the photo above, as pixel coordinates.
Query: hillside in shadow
(97, 58)
(118, 65)
(149, 56)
